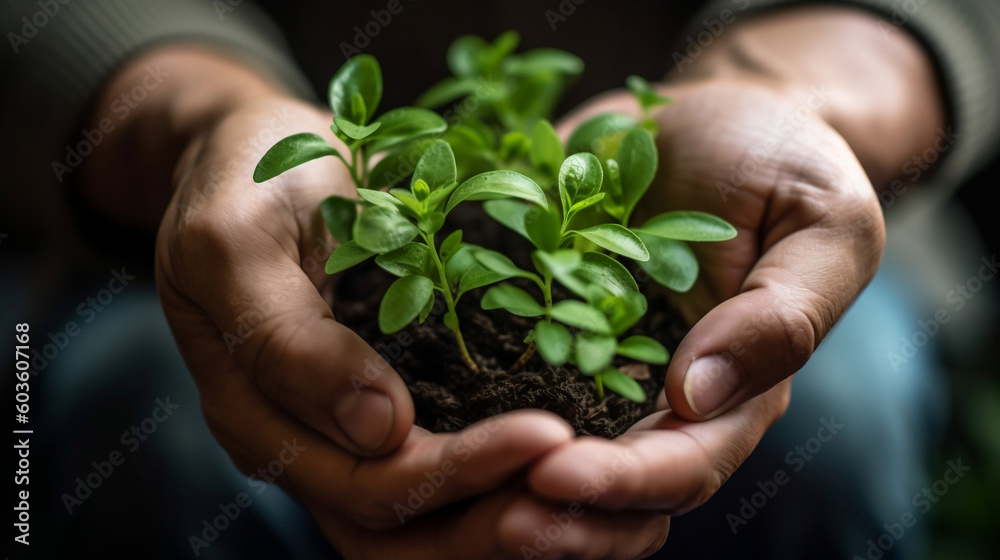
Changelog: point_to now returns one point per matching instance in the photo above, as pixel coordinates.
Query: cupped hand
(810, 237)
(240, 275)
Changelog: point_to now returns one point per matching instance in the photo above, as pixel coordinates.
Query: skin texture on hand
(238, 276)
(785, 154)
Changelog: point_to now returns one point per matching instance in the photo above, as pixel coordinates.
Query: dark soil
(449, 397)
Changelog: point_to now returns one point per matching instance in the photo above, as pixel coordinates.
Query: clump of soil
(449, 397)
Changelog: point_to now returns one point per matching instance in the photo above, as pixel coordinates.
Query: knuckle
(801, 333)
(374, 514)
(197, 240)
(710, 484)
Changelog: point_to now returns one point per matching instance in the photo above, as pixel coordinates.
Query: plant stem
(546, 287)
(465, 351)
(353, 168)
(449, 300)
(600, 386)
(528, 353)
(547, 292)
(363, 156)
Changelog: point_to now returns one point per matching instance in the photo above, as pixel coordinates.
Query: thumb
(788, 303)
(238, 282)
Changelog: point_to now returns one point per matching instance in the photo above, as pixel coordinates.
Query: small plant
(575, 210)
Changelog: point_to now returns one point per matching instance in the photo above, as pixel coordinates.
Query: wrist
(877, 89)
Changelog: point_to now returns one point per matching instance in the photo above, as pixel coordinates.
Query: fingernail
(366, 418)
(710, 382)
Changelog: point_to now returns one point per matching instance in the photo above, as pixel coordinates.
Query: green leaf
(562, 265)
(359, 78)
(380, 230)
(637, 162)
(408, 200)
(499, 262)
(542, 228)
(385, 200)
(428, 307)
(339, 214)
(547, 152)
(689, 226)
(404, 124)
(671, 263)
(352, 130)
(587, 202)
(403, 302)
(497, 184)
(594, 352)
(397, 164)
(623, 385)
(644, 93)
(431, 223)
(464, 55)
(513, 299)
(446, 91)
(510, 213)
(607, 273)
(410, 259)
(450, 245)
(502, 46)
(476, 133)
(614, 178)
(420, 189)
(613, 186)
(600, 135)
(437, 166)
(580, 176)
(477, 277)
(532, 98)
(290, 152)
(644, 349)
(439, 195)
(553, 341)
(346, 256)
(461, 262)
(538, 61)
(514, 145)
(580, 315)
(623, 313)
(617, 239)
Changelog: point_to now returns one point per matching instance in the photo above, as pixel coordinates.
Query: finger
(465, 533)
(433, 470)
(820, 247)
(427, 472)
(242, 268)
(531, 528)
(663, 463)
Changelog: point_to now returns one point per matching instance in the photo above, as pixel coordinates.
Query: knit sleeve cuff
(963, 39)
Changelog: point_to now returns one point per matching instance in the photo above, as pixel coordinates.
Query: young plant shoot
(575, 211)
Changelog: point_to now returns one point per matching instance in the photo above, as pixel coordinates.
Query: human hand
(760, 306)
(780, 142)
(221, 259)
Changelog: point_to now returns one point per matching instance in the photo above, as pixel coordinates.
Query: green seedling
(578, 242)
(354, 94)
(572, 202)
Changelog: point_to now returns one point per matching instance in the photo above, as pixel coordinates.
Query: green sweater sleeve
(962, 37)
(60, 52)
